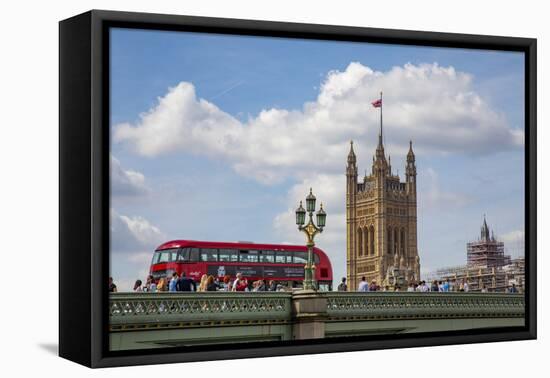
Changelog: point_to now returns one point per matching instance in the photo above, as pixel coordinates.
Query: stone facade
(381, 222)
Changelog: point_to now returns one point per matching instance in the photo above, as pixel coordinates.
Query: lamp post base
(309, 270)
(309, 281)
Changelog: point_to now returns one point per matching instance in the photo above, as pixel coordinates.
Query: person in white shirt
(425, 287)
(363, 285)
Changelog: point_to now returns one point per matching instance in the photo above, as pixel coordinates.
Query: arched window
(365, 232)
(371, 240)
(359, 242)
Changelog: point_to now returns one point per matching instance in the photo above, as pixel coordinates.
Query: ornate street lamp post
(310, 229)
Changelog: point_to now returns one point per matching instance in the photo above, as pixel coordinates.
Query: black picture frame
(84, 185)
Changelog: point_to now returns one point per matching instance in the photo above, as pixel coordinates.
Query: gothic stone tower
(381, 220)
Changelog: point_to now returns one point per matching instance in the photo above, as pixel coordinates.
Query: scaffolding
(488, 254)
(487, 268)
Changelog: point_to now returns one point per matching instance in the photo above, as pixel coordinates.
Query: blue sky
(217, 137)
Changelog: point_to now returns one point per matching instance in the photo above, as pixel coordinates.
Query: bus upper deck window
(289, 257)
(228, 255)
(193, 254)
(209, 254)
(174, 255)
(267, 256)
(316, 259)
(164, 257)
(183, 254)
(280, 257)
(248, 256)
(156, 257)
(300, 257)
(283, 257)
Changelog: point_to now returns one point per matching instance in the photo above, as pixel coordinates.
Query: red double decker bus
(281, 263)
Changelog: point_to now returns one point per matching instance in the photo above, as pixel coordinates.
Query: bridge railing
(413, 305)
(148, 310)
(158, 310)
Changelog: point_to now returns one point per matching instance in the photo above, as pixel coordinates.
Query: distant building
(487, 268)
(486, 252)
(381, 222)
(515, 273)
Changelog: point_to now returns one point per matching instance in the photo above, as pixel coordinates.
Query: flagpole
(381, 130)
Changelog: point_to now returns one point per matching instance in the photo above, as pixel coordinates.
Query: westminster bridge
(154, 320)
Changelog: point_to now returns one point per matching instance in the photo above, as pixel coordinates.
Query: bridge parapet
(407, 305)
(155, 320)
(165, 310)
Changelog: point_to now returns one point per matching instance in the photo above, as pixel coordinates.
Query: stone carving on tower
(381, 221)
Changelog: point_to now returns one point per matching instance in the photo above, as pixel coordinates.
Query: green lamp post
(310, 229)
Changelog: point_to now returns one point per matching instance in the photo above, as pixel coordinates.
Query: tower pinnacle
(485, 230)
(352, 159)
(410, 154)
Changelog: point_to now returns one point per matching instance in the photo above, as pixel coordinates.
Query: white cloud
(435, 106)
(126, 182)
(133, 233)
(133, 240)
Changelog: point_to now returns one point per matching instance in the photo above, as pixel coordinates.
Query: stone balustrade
(164, 319)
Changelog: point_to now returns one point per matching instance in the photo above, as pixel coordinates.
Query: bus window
(316, 259)
(156, 256)
(283, 257)
(194, 254)
(174, 255)
(267, 256)
(300, 257)
(164, 256)
(248, 256)
(280, 257)
(183, 255)
(229, 255)
(209, 254)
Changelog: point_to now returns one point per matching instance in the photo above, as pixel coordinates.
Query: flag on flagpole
(377, 103)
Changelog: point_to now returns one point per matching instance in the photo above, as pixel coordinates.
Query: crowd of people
(210, 283)
(182, 283)
(444, 286)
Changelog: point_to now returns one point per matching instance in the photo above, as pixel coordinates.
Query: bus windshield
(164, 256)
